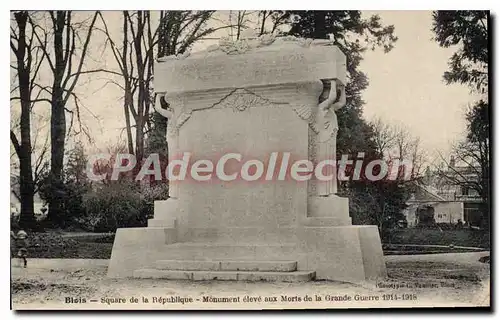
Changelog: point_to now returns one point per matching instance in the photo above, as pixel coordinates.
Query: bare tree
(239, 21)
(396, 142)
(270, 21)
(408, 147)
(28, 60)
(258, 22)
(40, 162)
(384, 136)
(142, 41)
(65, 44)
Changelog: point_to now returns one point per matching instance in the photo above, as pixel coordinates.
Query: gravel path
(456, 279)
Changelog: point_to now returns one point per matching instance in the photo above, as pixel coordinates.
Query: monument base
(342, 253)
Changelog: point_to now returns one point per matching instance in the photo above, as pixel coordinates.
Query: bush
(52, 245)
(421, 236)
(67, 191)
(120, 204)
(102, 239)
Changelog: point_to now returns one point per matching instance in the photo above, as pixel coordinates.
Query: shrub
(120, 204)
(422, 236)
(68, 191)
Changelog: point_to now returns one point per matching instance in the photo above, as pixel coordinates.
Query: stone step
(165, 223)
(294, 276)
(227, 251)
(252, 235)
(324, 222)
(226, 265)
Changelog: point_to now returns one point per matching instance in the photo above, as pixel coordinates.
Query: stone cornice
(251, 62)
(241, 46)
(303, 92)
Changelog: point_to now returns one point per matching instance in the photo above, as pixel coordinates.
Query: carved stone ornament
(175, 119)
(334, 101)
(240, 46)
(181, 56)
(177, 122)
(240, 100)
(233, 47)
(183, 117)
(305, 112)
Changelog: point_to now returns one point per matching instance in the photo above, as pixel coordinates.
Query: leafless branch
(15, 143)
(82, 58)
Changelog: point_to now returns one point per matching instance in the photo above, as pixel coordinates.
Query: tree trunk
(142, 95)
(128, 90)
(320, 25)
(27, 218)
(128, 125)
(57, 125)
(158, 136)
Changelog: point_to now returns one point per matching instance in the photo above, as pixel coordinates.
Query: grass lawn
(54, 244)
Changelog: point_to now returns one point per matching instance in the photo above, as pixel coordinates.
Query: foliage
(70, 190)
(120, 204)
(475, 150)
(478, 123)
(50, 245)
(100, 206)
(464, 237)
(469, 31)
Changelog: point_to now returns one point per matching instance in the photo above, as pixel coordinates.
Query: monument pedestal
(252, 98)
(347, 253)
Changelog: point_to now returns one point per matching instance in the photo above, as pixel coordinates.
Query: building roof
(425, 194)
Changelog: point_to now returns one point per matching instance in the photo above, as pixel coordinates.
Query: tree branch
(43, 45)
(80, 65)
(16, 144)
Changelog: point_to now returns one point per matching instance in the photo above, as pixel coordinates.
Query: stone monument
(252, 97)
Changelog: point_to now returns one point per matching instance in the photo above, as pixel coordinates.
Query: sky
(406, 86)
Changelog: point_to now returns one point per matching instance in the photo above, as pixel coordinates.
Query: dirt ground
(438, 280)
